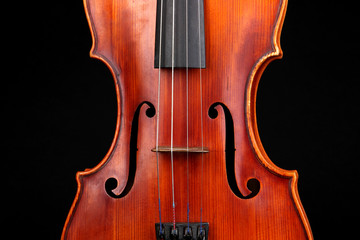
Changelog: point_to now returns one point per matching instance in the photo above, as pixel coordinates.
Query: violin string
(172, 112)
(158, 114)
(187, 113)
(201, 122)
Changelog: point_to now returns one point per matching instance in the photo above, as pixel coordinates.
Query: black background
(59, 112)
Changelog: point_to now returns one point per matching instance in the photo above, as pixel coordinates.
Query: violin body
(233, 186)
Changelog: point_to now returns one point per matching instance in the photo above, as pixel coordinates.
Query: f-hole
(253, 184)
(112, 183)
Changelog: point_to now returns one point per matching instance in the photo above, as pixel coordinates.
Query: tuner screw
(162, 233)
(201, 234)
(174, 234)
(188, 233)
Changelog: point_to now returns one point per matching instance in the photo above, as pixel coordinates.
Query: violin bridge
(165, 149)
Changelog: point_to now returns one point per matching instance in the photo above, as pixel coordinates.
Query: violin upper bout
(98, 15)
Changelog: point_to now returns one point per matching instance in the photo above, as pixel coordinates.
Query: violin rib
(245, 195)
(252, 124)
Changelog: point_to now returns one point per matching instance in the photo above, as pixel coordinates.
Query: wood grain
(241, 38)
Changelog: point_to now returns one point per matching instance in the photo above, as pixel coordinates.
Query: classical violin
(186, 161)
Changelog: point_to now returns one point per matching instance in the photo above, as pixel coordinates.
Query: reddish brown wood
(242, 37)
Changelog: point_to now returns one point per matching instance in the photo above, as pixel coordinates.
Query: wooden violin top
(186, 147)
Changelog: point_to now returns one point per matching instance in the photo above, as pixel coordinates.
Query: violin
(186, 161)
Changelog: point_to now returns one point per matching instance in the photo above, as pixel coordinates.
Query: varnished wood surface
(242, 37)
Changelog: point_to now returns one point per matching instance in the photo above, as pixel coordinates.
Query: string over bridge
(165, 149)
